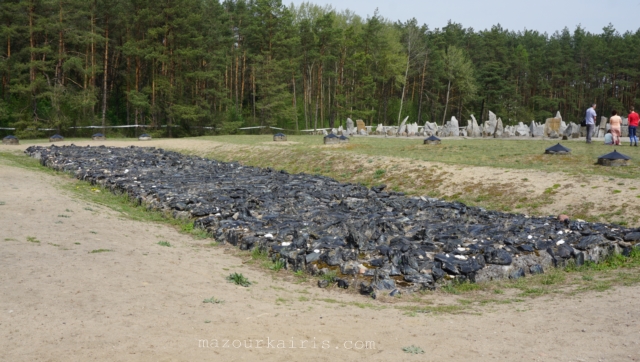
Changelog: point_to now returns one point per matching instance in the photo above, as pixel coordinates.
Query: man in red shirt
(633, 127)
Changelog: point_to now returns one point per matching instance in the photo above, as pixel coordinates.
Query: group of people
(613, 134)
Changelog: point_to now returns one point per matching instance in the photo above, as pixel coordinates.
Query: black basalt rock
(498, 257)
(315, 223)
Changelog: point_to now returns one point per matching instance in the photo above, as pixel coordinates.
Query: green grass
(505, 153)
(32, 239)
(368, 165)
(277, 265)
(457, 287)
(413, 350)
(213, 300)
(238, 279)
(164, 243)
(100, 251)
(329, 276)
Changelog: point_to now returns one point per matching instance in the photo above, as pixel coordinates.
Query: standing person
(633, 127)
(590, 121)
(615, 121)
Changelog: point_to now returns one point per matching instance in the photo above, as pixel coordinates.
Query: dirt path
(144, 302)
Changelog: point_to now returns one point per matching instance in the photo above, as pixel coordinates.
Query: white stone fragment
(559, 242)
(530, 237)
(460, 257)
(268, 236)
(316, 250)
(285, 244)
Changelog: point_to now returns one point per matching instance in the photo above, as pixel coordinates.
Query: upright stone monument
(451, 128)
(490, 125)
(552, 126)
(521, 130)
(497, 133)
(473, 129)
(430, 129)
(361, 126)
(402, 131)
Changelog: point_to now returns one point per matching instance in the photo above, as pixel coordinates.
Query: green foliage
(329, 276)
(413, 350)
(238, 279)
(208, 66)
(164, 243)
(213, 300)
(277, 265)
(457, 287)
(99, 251)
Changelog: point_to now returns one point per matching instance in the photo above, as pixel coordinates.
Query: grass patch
(100, 251)
(164, 243)
(213, 300)
(329, 276)
(458, 287)
(413, 350)
(32, 239)
(238, 279)
(277, 265)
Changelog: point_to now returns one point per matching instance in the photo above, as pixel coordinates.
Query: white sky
(541, 15)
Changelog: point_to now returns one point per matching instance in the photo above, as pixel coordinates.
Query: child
(608, 138)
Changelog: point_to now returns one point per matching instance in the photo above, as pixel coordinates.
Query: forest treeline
(195, 65)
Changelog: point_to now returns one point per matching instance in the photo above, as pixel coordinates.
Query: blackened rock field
(375, 240)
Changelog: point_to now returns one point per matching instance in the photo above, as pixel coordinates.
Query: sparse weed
(238, 279)
(100, 251)
(213, 300)
(413, 349)
(277, 265)
(329, 276)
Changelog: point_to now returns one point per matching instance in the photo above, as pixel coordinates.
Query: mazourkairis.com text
(269, 343)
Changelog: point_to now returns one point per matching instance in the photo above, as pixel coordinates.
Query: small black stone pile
(375, 240)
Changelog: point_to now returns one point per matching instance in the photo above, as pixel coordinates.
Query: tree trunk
(104, 78)
(406, 73)
(424, 69)
(446, 104)
(32, 69)
(295, 106)
(59, 75)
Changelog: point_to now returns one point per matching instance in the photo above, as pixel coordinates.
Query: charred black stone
(342, 283)
(499, 257)
(315, 223)
(536, 269)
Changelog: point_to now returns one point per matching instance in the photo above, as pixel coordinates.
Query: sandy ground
(144, 302)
